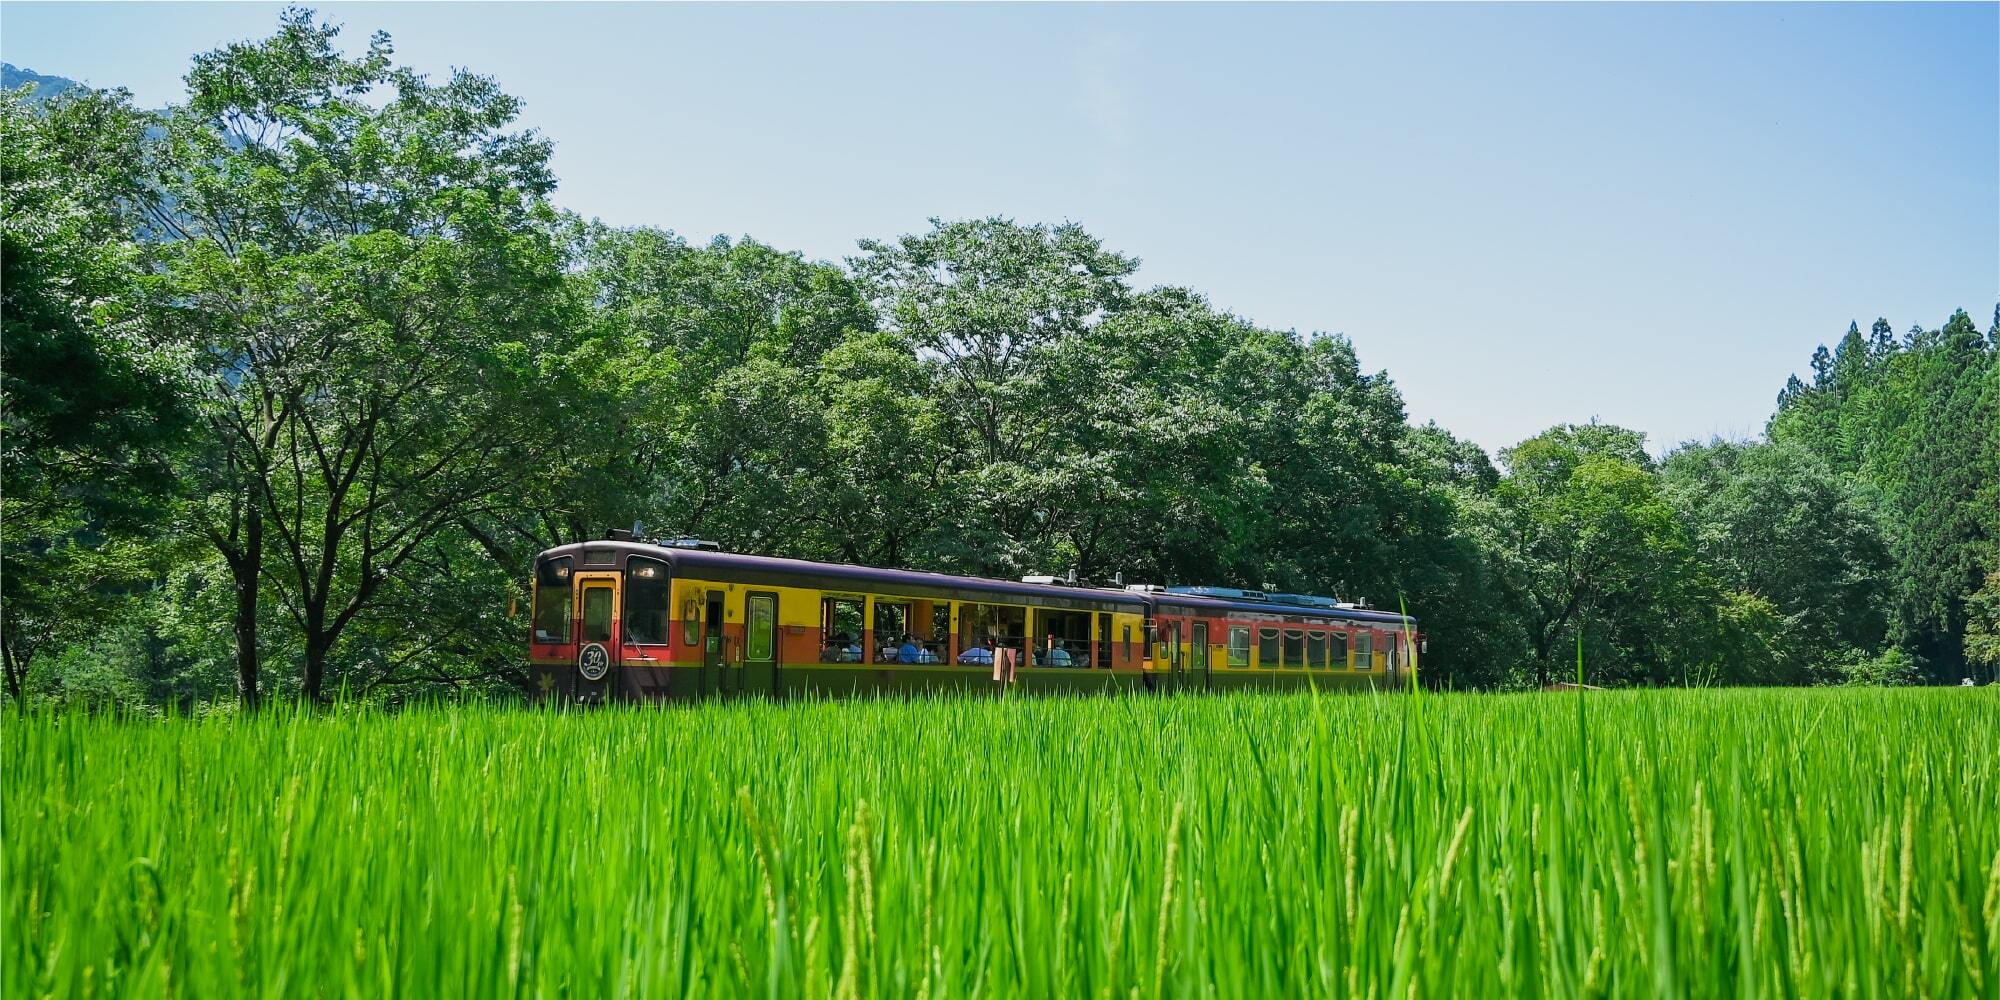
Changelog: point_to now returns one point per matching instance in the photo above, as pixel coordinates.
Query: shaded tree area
(300, 374)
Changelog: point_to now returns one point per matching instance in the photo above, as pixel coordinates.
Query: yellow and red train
(624, 618)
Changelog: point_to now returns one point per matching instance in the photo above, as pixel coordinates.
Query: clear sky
(1526, 214)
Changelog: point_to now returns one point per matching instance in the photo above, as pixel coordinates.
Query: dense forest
(301, 373)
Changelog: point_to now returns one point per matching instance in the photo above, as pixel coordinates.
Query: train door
(1198, 656)
(1176, 664)
(711, 645)
(597, 633)
(760, 642)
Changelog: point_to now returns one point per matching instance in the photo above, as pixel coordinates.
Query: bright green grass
(1750, 844)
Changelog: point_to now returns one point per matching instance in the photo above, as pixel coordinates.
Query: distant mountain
(13, 77)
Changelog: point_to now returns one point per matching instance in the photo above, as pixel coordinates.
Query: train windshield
(552, 600)
(649, 612)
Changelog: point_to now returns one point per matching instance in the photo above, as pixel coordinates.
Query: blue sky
(1526, 214)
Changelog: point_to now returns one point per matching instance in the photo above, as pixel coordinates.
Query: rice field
(1739, 843)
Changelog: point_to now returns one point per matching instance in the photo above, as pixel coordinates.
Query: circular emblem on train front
(593, 662)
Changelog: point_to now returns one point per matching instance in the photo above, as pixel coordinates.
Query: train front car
(622, 618)
(602, 624)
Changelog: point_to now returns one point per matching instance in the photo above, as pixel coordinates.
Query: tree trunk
(16, 671)
(318, 641)
(316, 647)
(246, 565)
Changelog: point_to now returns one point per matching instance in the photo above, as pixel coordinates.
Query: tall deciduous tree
(994, 304)
(1595, 547)
(365, 267)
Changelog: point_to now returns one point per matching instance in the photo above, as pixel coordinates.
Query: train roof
(1200, 603)
(737, 566)
(776, 570)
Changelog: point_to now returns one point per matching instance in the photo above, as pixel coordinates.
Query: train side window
(1364, 650)
(1316, 651)
(552, 600)
(1239, 647)
(1295, 648)
(1267, 648)
(840, 621)
(1336, 650)
(1128, 642)
(892, 622)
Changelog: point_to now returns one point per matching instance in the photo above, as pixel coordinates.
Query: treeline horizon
(300, 374)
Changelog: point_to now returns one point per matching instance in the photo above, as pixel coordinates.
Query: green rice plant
(1728, 843)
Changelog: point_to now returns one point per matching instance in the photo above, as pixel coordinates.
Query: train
(627, 618)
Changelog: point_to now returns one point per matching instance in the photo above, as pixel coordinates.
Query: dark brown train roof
(736, 567)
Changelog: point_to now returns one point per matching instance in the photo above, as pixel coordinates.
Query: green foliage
(1891, 668)
(1917, 423)
(367, 273)
(1054, 847)
(1774, 522)
(1591, 545)
(87, 401)
(1982, 633)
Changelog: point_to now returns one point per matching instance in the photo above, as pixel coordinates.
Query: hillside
(13, 77)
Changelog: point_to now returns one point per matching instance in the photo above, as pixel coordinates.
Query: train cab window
(840, 621)
(1295, 648)
(1336, 650)
(1239, 647)
(1128, 642)
(552, 600)
(649, 609)
(1364, 650)
(1316, 651)
(1267, 648)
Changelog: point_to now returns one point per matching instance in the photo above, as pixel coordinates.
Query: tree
(1594, 546)
(708, 396)
(88, 404)
(1947, 529)
(994, 305)
(1915, 420)
(1472, 610)
(364, 269)
(1774, 522)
